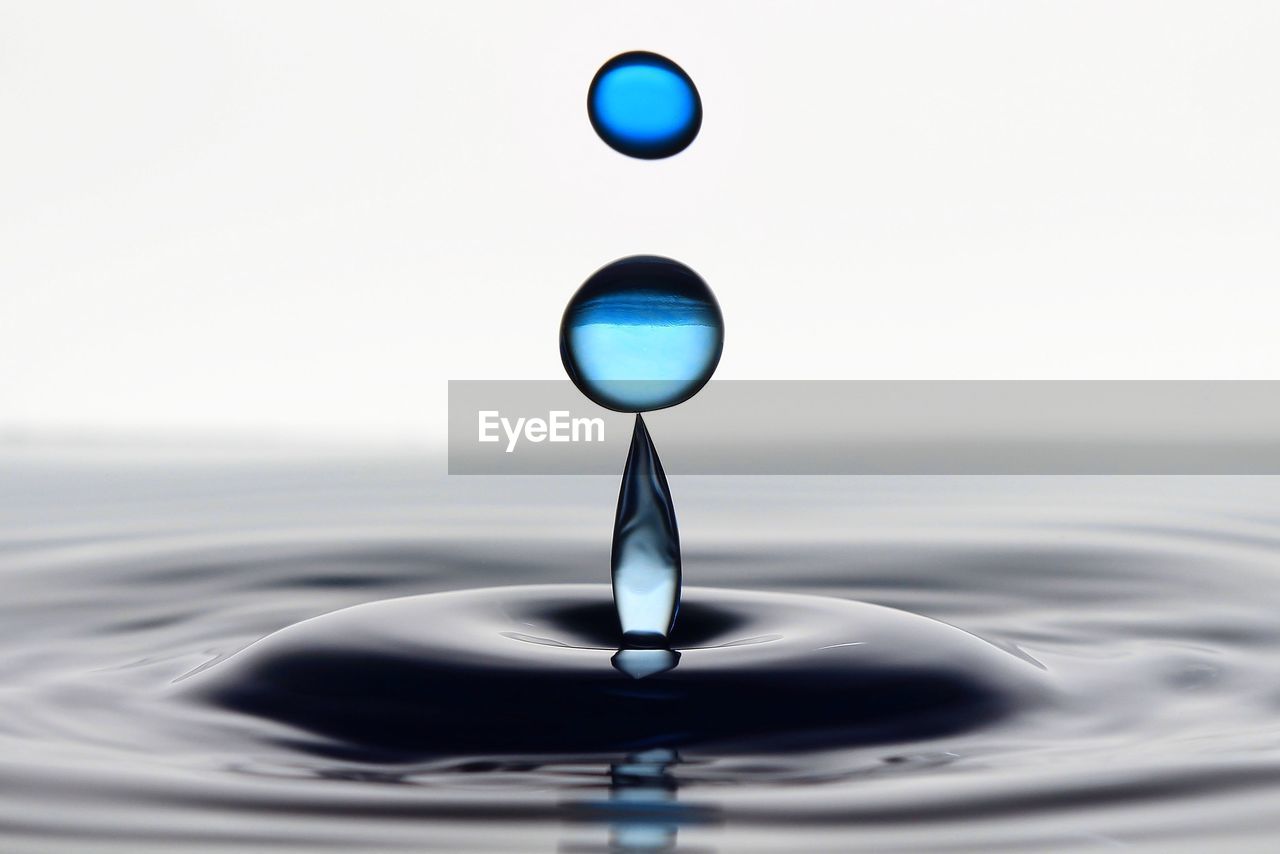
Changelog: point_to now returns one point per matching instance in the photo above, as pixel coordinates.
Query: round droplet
(643, 333)
(644, 105)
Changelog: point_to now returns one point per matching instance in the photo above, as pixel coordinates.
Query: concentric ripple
(1135, 618)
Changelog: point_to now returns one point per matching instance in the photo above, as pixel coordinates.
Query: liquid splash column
(645, 563)
(643, 333)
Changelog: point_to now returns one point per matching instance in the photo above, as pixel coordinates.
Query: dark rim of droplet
(661, 149)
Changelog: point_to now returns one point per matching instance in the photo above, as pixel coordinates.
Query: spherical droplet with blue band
(643, 333)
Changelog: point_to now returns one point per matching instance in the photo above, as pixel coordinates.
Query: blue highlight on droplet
(644, 105)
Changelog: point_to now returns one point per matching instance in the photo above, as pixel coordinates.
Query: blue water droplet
(644, 105)
(641, 334)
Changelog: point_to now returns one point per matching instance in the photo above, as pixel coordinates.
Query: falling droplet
(644, 105)
(646, 548)
(643, 333)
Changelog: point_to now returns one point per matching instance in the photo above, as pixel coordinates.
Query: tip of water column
(639, 663)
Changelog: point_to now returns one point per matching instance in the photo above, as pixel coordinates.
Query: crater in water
(533, 670)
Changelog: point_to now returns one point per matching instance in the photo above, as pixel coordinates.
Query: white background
(299, 219)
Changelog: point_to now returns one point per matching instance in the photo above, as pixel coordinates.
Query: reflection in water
(642, 811)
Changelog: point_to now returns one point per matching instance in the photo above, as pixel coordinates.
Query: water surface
(1149, 605)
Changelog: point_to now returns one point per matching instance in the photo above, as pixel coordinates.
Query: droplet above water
(641, 334)
(644, 105)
